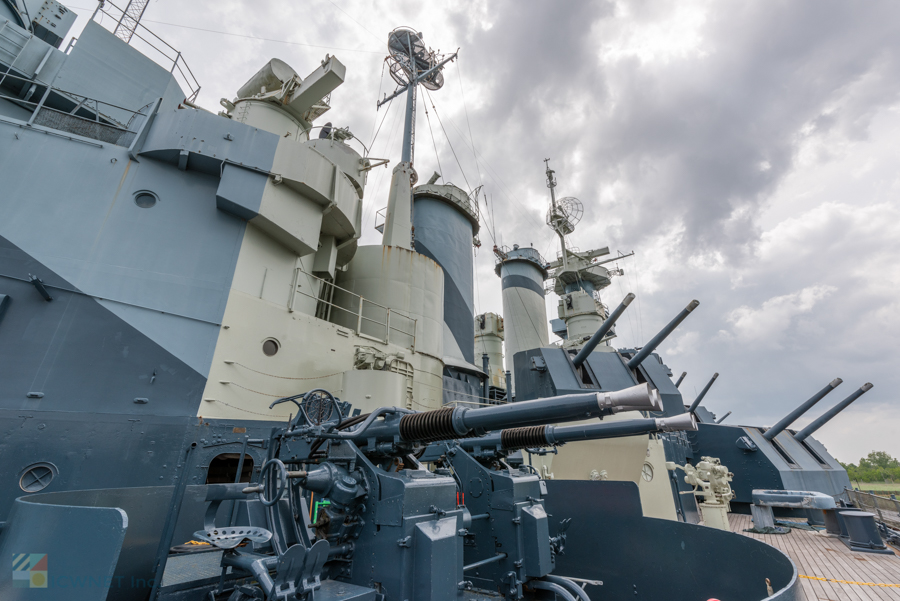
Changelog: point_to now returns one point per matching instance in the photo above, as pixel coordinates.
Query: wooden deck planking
(826, 557)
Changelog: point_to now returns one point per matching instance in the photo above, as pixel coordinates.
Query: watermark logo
(29, 570)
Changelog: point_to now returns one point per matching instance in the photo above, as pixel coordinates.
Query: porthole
(37, 476)
(270, 347)
(145, 199)
(647, 471)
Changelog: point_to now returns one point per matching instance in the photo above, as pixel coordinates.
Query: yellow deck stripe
(849, 581)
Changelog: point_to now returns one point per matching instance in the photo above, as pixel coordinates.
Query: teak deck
(826, 557)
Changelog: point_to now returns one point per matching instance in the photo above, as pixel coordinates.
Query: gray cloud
(746, 151)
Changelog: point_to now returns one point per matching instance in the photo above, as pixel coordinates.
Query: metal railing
(368, 319)
(75, 113)
(170, 56)
(502, 253)
(481, 403)
(886, 508)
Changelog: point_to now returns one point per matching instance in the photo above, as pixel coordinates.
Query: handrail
(331, 137)
(67, 93)
(358, 311)
(191, 82)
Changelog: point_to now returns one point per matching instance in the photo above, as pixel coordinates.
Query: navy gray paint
(105, 380)
(444, 235)
(522, 268)
(607, 515)
(756, 462)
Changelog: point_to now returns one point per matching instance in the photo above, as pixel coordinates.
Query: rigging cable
(431, 131)
(436, 114)
(465, 108)
(241, 35)
(375, 120)
(376, 185)
(355, 21)
(491, 172)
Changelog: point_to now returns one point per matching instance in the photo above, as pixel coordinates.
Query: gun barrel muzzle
(791, 417)
(825, 417)
(662, 335)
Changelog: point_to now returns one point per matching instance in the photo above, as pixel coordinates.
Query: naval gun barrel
(825, 417)
(791, 417)
(451, 423)
(681, 379)
(512, 439)
(662, 335)
(703, 392)
(604, 329)
(723, 418)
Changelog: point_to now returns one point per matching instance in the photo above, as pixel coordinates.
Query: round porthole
(37, 476)
(647, 472)
(145, 199)
(270, 347)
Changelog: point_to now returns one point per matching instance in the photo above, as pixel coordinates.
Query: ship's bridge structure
(165, 267)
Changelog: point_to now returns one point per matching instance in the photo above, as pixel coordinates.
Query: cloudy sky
(747, 153)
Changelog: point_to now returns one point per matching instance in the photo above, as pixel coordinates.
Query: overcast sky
(747, 153)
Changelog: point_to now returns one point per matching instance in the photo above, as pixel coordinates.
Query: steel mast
(411, 64)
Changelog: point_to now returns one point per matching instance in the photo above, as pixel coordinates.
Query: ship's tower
(445, 223)
(577, 276)
(522, 272)
(489, 334)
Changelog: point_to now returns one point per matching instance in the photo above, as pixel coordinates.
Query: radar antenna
(410, 64)
(563, 214)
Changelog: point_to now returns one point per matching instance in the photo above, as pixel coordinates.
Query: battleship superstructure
(195, 345)
(584, 359)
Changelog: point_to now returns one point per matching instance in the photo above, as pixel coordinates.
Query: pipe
(165, 541)
(515, 438)
(681, 379)
(631, 427)
(555, 588)
(702, 394)
(662, 335)
(571, 586)
(825, 417)
(486, 367)
(568, 407)
(791, 417)
(484, 562)
(508, 386)
(458, 422)
(604, 328)
(722, 419)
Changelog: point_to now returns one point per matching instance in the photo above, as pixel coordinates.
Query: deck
(822, 556)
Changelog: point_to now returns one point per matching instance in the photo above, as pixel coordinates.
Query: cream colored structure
(489, 333)
(308, 308)
(577, 278)
(712, 482)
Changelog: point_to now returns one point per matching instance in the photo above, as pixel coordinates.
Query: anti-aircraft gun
(508, 545)
(392, 528)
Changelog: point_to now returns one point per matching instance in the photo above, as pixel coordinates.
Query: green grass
(878, 486)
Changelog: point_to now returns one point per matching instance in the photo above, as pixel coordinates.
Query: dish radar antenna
(563, 214)
(412, 64)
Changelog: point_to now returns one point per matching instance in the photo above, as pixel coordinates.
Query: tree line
(877, 466)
